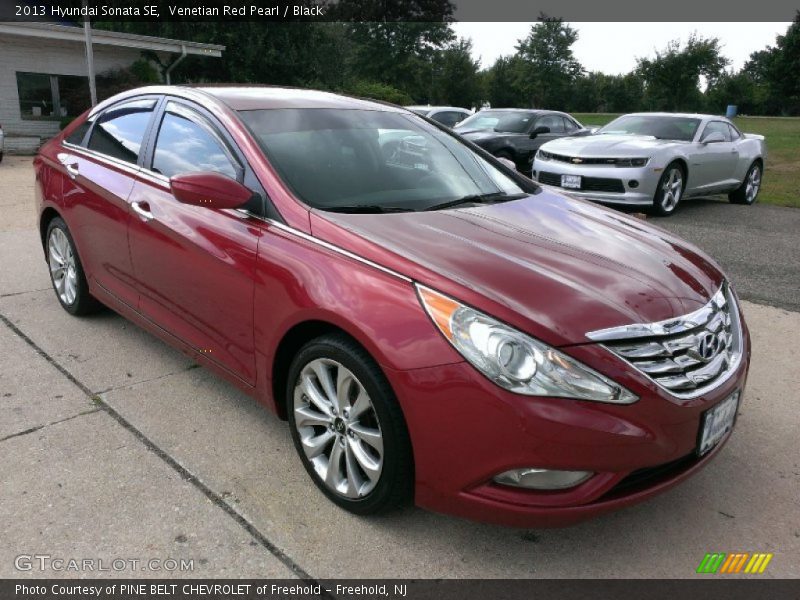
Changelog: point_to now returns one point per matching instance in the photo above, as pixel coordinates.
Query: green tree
(455, 78)
(776, 71)
(501, 83)
(672, 78)
(548, 67)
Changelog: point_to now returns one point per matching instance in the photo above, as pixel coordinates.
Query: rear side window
(76, 137)
(186, 144)
(120, 130)
(735, 135)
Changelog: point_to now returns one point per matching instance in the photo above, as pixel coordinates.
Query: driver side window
(717, 127)
(554, 122)
(187, 144)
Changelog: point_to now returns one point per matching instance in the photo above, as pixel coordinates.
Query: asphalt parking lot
(116, 446)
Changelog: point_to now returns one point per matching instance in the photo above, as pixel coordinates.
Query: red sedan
(434, 326)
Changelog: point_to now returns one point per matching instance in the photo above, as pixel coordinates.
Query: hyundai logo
(708, 346)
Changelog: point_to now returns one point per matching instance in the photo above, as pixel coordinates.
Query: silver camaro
(656, 160)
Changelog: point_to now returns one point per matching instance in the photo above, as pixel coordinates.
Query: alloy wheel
(338, 428)
(672, 188)
(62, 266)
(753, 184)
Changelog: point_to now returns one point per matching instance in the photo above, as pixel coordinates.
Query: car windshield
(351, 160)
(498, 120)
(661, 127)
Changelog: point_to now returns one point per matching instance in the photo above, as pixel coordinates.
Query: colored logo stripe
(736, 562)
(711, 563)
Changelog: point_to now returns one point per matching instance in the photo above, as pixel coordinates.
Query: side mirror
(507, 162)
(713, 138)
(210, 190)
(539, 130)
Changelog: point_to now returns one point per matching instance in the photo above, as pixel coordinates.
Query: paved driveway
(114, 445)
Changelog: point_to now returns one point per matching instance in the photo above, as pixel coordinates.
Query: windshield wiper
(477, 199)
(367, 209)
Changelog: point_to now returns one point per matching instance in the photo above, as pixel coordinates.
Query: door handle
(70, 164)
(143, 210)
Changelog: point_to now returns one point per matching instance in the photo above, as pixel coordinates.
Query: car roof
(255, 97)
(432, 108)
(251, 97)
(527, 110)
(677, 115)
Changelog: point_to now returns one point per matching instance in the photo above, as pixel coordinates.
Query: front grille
(582, 161)
(588, 184)
(648, 476)
(688, 355)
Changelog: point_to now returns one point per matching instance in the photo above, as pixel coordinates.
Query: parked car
(432, 324)
(448, 116)
(656, 160)
(2, 142)
(515, 134)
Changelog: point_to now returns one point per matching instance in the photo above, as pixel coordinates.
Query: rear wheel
(348, 428)
(669, 191)
(66, 271)
(747, 193)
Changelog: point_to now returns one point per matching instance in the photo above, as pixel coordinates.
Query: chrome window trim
(332, 247)
(678, 325)
(130, 167)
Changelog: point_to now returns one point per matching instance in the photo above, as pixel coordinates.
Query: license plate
(571, 181)
(718, 422)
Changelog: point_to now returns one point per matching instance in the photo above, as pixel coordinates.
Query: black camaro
(516, 134)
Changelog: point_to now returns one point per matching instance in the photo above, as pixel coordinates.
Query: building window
(52, 97)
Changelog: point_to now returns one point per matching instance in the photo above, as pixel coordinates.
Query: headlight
(516, 361)
(543, 155)
(632, 162)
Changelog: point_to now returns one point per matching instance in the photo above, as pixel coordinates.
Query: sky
(612, 48)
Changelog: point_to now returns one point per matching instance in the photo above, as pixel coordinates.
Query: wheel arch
(292, 340)
(48, 214)
(684, 165)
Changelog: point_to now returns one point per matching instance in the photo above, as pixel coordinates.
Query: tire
(1, 156)
(747, 193)
(71, 287)
(670, 190)
(374, 464)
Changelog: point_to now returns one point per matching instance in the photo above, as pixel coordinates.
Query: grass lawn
(782, 176)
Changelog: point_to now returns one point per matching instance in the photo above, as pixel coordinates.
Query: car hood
(475, 135)
(553, 266)
(612, 146)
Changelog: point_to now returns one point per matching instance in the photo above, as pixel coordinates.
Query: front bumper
(465, 430)
(641, 194)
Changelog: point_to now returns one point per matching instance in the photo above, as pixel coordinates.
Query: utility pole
(87, 32)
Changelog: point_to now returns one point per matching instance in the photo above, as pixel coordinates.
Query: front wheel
(348, 428)
(669, 191)
(748, 191)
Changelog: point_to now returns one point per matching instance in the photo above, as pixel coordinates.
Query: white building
(44, 75)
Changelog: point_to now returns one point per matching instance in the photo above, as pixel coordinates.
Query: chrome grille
(688, 355)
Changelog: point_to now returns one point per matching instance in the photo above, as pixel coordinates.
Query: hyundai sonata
(434, 326)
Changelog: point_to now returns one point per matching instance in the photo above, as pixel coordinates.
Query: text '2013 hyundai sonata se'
(434, 326)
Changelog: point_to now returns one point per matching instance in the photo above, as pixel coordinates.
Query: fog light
(542, 479)
(633, 183)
